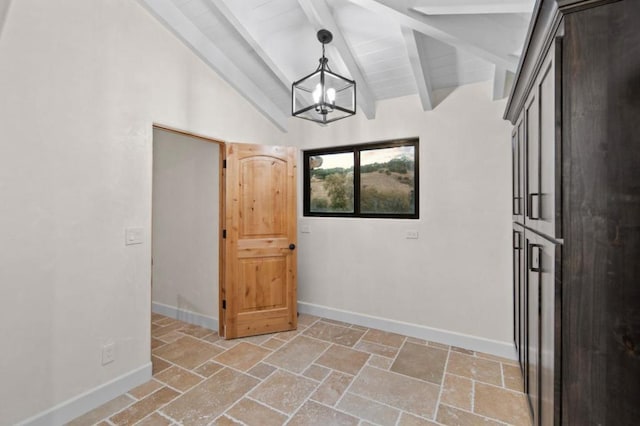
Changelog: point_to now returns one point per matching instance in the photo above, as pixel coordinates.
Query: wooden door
(259, 287)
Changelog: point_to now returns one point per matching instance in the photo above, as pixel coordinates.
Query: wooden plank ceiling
(391, 48)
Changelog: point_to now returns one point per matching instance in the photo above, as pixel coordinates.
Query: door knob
(292, 246)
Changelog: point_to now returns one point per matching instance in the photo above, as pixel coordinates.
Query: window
(367, 180)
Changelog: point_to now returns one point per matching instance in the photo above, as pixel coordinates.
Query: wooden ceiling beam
(446, 7)
(221, 6)
(416, 49)
(319, 15)
(4, 11)
(447, 31)
(168, 13)
(499, 90)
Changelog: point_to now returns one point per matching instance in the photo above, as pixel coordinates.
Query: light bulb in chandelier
(317, 93)
(331, 95)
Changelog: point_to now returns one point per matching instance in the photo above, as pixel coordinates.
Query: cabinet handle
(533, 216)
(516, 206)
(535, 257)
(517, 240)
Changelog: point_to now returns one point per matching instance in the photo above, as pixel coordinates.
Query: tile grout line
(108, 418)
(500, 422)
(264, 404)
(444, 374)
(473, 396)
(166, 416)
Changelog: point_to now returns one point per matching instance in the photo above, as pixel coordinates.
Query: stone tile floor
(324, 373)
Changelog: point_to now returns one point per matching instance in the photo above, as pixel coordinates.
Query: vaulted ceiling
(391, 48)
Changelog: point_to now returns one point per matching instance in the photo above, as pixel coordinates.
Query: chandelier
(323, 96)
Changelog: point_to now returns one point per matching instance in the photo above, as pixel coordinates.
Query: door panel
(550, 333)
(519, 295)
(532, 122)
(544, 280)
(550, 153)
(533, 324)
(515, 170)
(261, 284)
(262, 201)
(517, 150)
(260, 258)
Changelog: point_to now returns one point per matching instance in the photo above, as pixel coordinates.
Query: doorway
(186, 219)
(234, 227)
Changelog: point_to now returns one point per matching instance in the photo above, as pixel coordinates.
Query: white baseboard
(87, 401)
(474, 343)
(185, 315)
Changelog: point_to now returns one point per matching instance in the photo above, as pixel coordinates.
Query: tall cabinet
(575, 108)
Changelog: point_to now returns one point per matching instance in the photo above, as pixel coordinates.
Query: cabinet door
(544, 282)
(547, 205)
(532, 356)
(532, 159)
(517, 157)
(519, 299)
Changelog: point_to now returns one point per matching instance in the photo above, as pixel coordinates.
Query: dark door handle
(516, 205)
(292, 246)
(534, 214)
(535, 258)
(517, 245)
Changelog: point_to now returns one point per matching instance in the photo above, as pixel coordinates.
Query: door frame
(221, 211)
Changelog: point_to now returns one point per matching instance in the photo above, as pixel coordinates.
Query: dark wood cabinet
(575, 107)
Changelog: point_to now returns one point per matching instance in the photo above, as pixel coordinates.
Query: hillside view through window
(369, 180)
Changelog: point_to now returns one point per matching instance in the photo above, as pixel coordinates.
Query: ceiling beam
(320, 16)
(444, 31)
(185, 30)
(473, 8)
(221, 6)
(4, 11)
(499, 83)
(417, 57)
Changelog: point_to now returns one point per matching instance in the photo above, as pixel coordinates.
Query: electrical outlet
(412, 235)
(133, 236)
(108, 353)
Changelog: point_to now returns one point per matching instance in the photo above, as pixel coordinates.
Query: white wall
(185, 226)
(81, 83)
(456, 276)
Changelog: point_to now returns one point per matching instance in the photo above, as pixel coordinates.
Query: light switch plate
(133, 236)
(412, 235)
(305, 229)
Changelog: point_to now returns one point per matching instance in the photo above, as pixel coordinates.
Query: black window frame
(356, 149)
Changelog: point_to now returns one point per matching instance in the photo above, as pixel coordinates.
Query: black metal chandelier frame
(323, 106)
